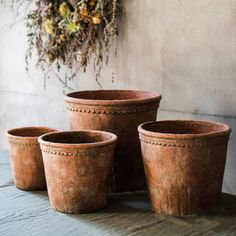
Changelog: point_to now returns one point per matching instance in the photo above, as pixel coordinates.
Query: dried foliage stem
(69, 33)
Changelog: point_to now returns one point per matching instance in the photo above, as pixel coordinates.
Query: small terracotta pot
(184, 164)
(119, 112)
(26, 157)
(78, 168)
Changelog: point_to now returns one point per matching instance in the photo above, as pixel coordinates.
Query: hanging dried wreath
(64, 32)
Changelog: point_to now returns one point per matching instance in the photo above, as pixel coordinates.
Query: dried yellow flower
(72, 26)
(49, 26)
(92, 3)
(96, 20)
(84, 12)
(64, 9)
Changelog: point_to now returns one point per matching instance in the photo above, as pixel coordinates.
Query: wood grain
(29, 213)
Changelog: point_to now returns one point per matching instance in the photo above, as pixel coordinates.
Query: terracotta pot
(119, 112)
(78, 169)
(26, 157)
(184, 164)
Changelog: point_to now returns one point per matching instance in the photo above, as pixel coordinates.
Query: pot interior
(30, 131)
(185, 127)
(112, 95)
(77, 137)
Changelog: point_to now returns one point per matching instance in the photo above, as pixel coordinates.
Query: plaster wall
(183, 49)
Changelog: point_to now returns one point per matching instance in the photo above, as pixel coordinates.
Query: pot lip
(225, 130)
(10, 135)
(112, 140)
(153, 96)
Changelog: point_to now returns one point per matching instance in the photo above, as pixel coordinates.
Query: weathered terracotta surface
(78, 169)
(26, 157)
(184, 164)
(119, 112)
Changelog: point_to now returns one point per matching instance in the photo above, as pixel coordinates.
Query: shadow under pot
(184, 164)
(119, 112)
(26, 158)
(78, 169)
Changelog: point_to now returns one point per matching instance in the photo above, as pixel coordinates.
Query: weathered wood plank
(29, 213)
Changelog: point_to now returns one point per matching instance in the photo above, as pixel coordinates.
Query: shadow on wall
(229, 183)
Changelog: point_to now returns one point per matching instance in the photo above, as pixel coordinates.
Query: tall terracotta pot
(184, 164)
(26, 157)
(78, 169)
(120, 112)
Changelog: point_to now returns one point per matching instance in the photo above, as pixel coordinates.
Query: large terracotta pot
(120, 112)
(184, 164)
(26, 157)
(78, 169)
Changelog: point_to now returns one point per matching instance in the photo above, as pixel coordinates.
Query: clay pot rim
(225, 130)
(150, 97)
(10, 133)
(112, 140)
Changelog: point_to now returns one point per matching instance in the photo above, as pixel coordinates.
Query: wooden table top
(29, 213)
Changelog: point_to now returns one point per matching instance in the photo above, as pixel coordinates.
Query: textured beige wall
(184, 49)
